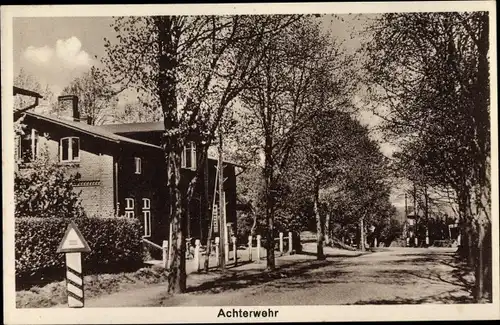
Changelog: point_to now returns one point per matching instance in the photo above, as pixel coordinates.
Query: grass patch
(96, 285)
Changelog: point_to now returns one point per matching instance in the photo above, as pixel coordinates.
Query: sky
(56, 50)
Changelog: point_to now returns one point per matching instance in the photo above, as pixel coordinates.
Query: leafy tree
(431, 73)
(95, 98)
(283, 96)
(136, 112)
(193, 67)
(26, 81)
(45, 189)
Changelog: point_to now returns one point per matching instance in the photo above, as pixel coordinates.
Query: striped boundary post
(74, 280)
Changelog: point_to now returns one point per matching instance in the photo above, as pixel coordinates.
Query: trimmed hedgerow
(115, 245)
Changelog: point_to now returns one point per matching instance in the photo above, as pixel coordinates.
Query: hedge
(115, 245)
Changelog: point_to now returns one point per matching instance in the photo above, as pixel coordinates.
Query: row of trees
(430, 72)
(212, 74)
(282, 89)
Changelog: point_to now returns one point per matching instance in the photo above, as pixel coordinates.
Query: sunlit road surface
(388, 276)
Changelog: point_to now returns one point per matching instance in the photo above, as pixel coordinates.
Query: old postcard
(250, 162)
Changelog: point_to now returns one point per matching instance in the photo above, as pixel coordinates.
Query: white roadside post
(217, 250)
(226, 246)
(197, 255)
(290, 242)
(258, 249)
(281, 243)
(235, 256)
(165, 254)
(250, 248)
(73, 245)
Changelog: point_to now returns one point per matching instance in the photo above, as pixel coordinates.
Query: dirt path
(404, 275)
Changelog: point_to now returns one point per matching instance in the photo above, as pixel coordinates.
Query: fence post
(250, 248)
(235, 256)
(217, 250)
(281, 242)
(226, 250)
(258, 248)
(197, 255)
(165, 254)
(290, 242)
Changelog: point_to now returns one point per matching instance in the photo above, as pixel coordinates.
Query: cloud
(66, 52)
(70, 51)
(38, 55)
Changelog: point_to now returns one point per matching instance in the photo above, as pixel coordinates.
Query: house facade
(123, 171)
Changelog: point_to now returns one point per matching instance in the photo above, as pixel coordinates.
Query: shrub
(115, 245)
(45, 189)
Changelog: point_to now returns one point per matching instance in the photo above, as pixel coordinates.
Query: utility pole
(222, 224)
(426, 198)
(415, 214)
(209, 213)
(406, 226)
(406, 206)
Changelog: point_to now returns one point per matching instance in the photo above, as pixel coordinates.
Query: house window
(129, 207)
(146, 206)
(138, 165)
(147, 223)
(188, 159)
(27, 146)
(70, 149)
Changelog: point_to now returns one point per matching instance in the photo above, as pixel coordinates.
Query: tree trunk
(177, 278)
(254, 222)
(362, 234)
(479, 291)
(208, 210)
(327, 229)
(269, 185)
(482, 291)
(172, 145)
(319, 229)
(222, 223)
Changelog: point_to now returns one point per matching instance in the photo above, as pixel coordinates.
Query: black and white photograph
(270, 162)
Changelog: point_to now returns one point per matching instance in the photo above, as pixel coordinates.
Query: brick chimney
(74, 105)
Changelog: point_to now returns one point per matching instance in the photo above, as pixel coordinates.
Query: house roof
(92, 130)
(146, 127)
(25, 92)
(134, 127)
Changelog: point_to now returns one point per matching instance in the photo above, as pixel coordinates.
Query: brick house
(122, 170)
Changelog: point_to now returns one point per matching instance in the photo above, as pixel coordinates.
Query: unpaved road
(392, 276)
